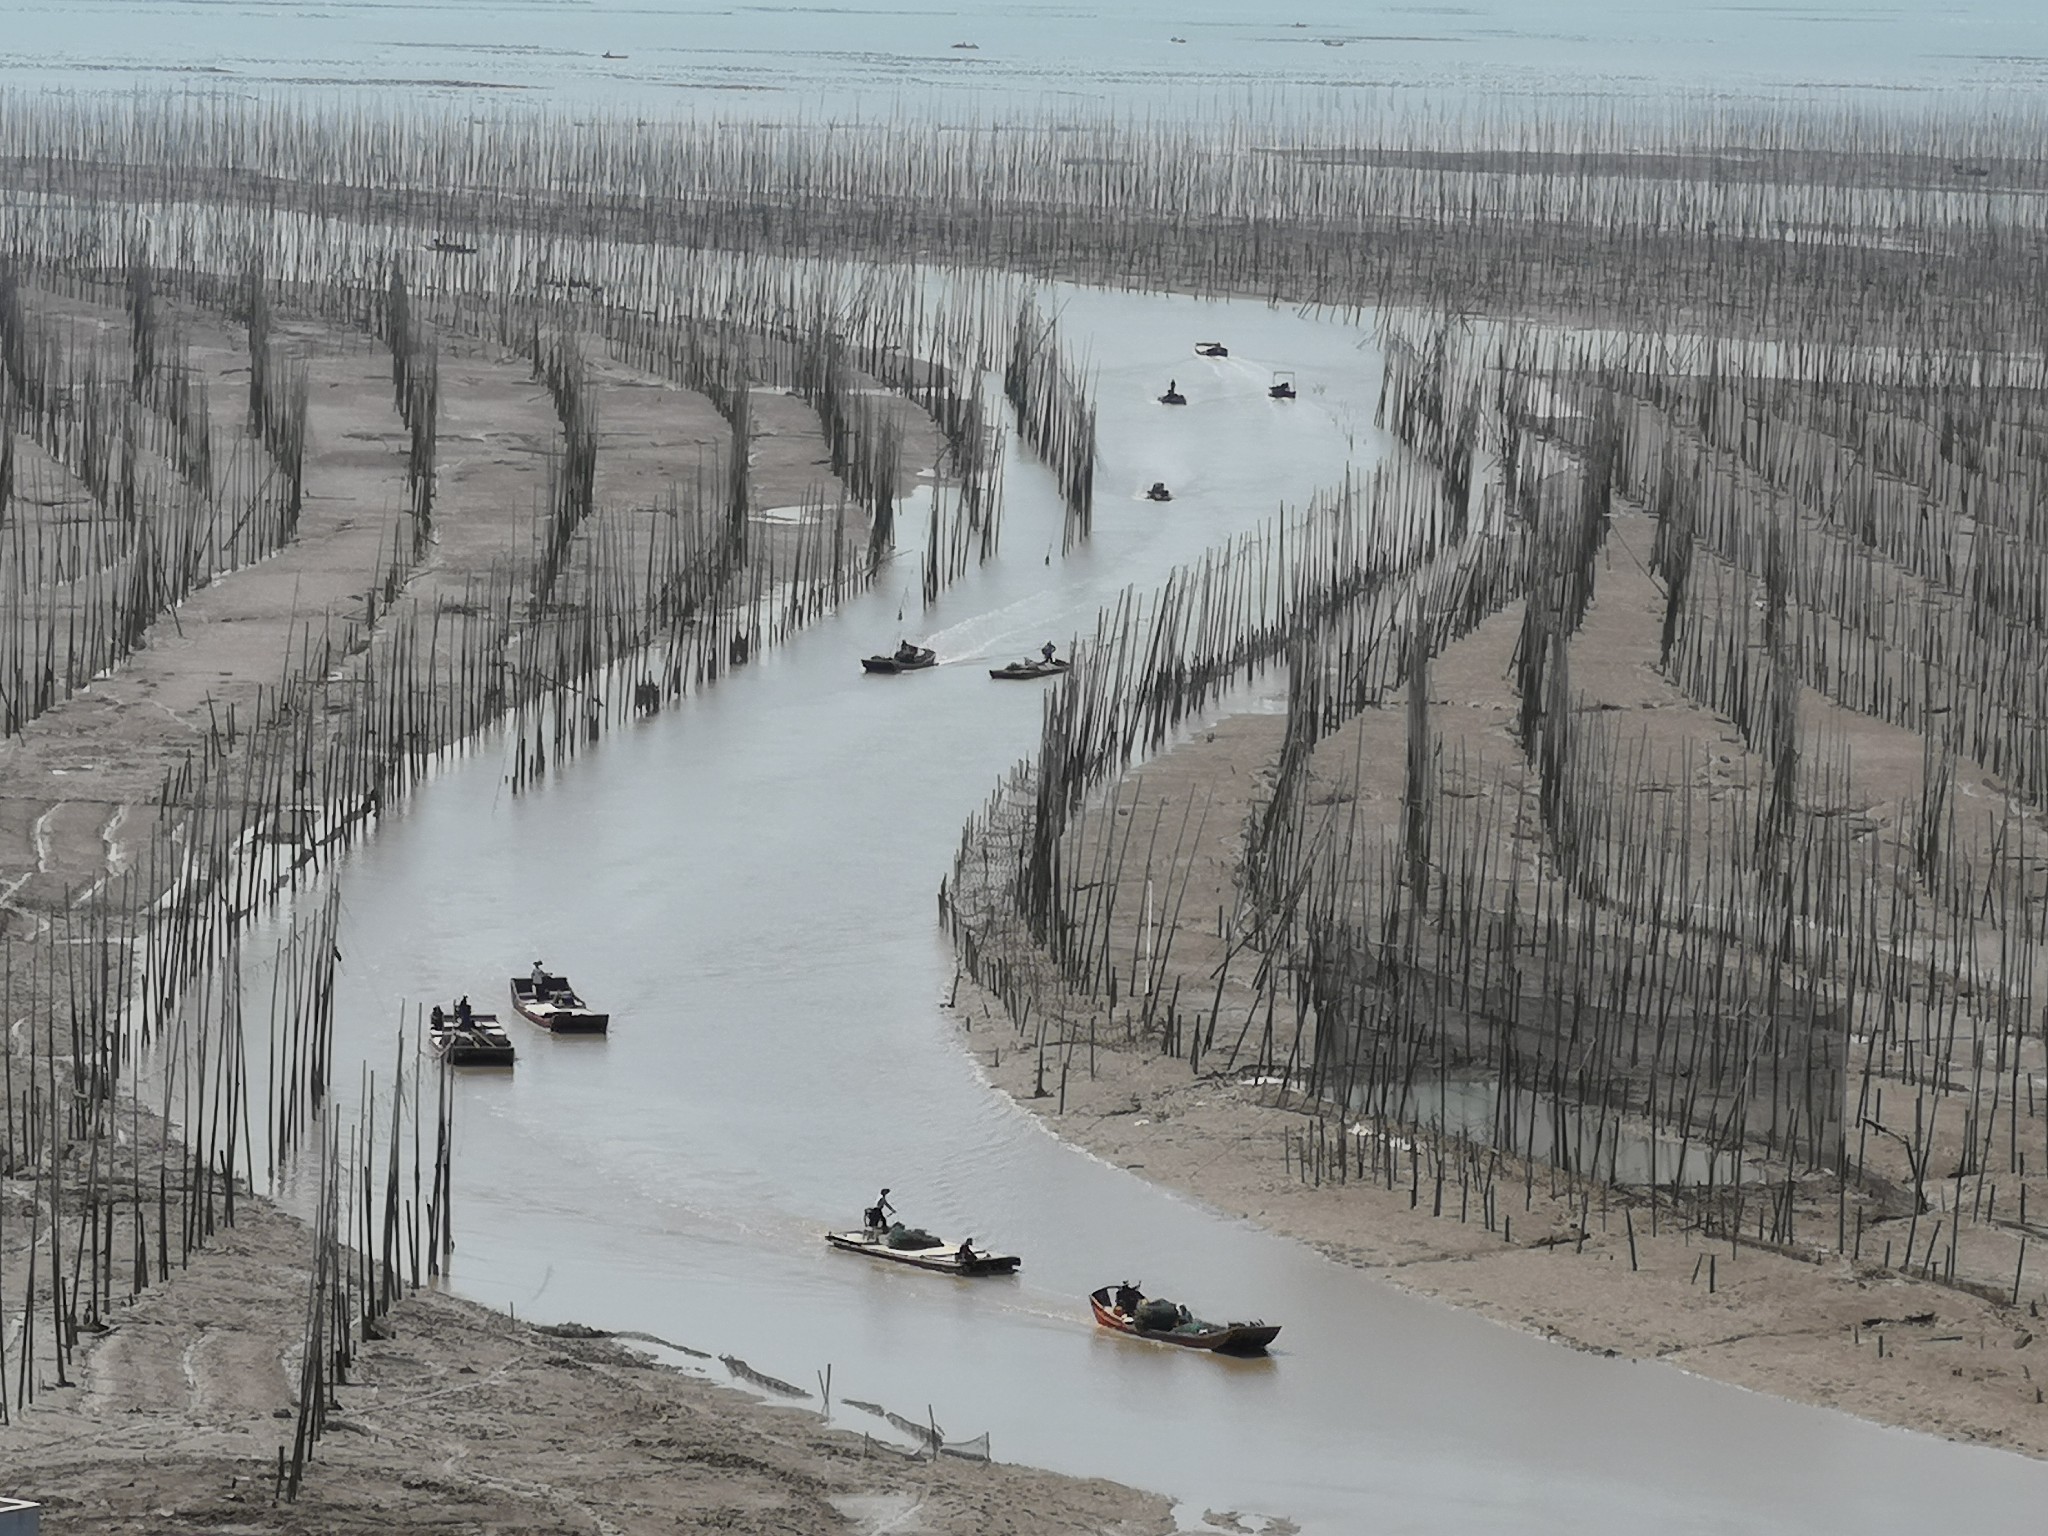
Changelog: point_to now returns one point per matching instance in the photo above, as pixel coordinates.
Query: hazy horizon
(773, 57)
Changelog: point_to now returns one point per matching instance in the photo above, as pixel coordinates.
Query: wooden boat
(1159, 492)
(941, 1257)
(554, 1005)
(451, 247)
(476, 1041)
(1282, 387)
(1116, 1308)
(919, 658)
(1211, 349)
(1173, 397)
(1026, 671)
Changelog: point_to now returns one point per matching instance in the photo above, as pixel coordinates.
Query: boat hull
(1222, 1339)
(943, 1259)
(566, 1017)
(887, 665)
(1027, 674)
(473, 1048)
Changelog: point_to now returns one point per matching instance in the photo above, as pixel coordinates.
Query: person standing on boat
(462, 1010)
(437, 1017)
(1046, 650)
(540, 978)
(879, 1213)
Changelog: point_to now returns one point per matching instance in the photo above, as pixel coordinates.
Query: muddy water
(747, 883)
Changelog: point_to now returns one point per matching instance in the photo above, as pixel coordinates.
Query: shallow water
(747, 883)
(784, 57)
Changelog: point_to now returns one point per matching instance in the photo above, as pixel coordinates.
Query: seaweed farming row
(1807, 224)
(1710, 963)
(150, 1085)
(1720, 956)
(1054, 414)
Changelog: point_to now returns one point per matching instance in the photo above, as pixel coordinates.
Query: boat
(1159, 492)
(469, 1039)
(1211, 349)
(1026, 671)
(937, 1254)
(449, 247)
(1126, 1309)
(553, 1004)
(917, 660)
(1173, 396)
(1282, 387)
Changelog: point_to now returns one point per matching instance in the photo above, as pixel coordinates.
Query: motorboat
(918, 1249)
(1159, 492)
(466, 1039)
(1126, 1309)
(909, 658)
(1173, 396)
(1211, 349)
(1026, 671)
(552, 1003)
(1282, 387)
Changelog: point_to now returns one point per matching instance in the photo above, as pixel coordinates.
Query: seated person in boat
(905, 651)
(437, 1018)
(1127, 1298)
(966, 1254)
(878, 1214)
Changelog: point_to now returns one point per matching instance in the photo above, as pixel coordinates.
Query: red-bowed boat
(1126, 1309)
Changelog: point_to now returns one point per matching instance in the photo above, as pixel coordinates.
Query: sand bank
(1813, 1319)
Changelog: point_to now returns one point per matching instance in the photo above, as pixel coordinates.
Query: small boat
(451, 247)
(1159, 492)
(1211, 349)
(1173, 396)
(469, 1040)
(899, 1244)
(1026, 671)
(1282, 387)
(615, 55)
(553, 1004)
(917, 659)
(1126, 1309)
